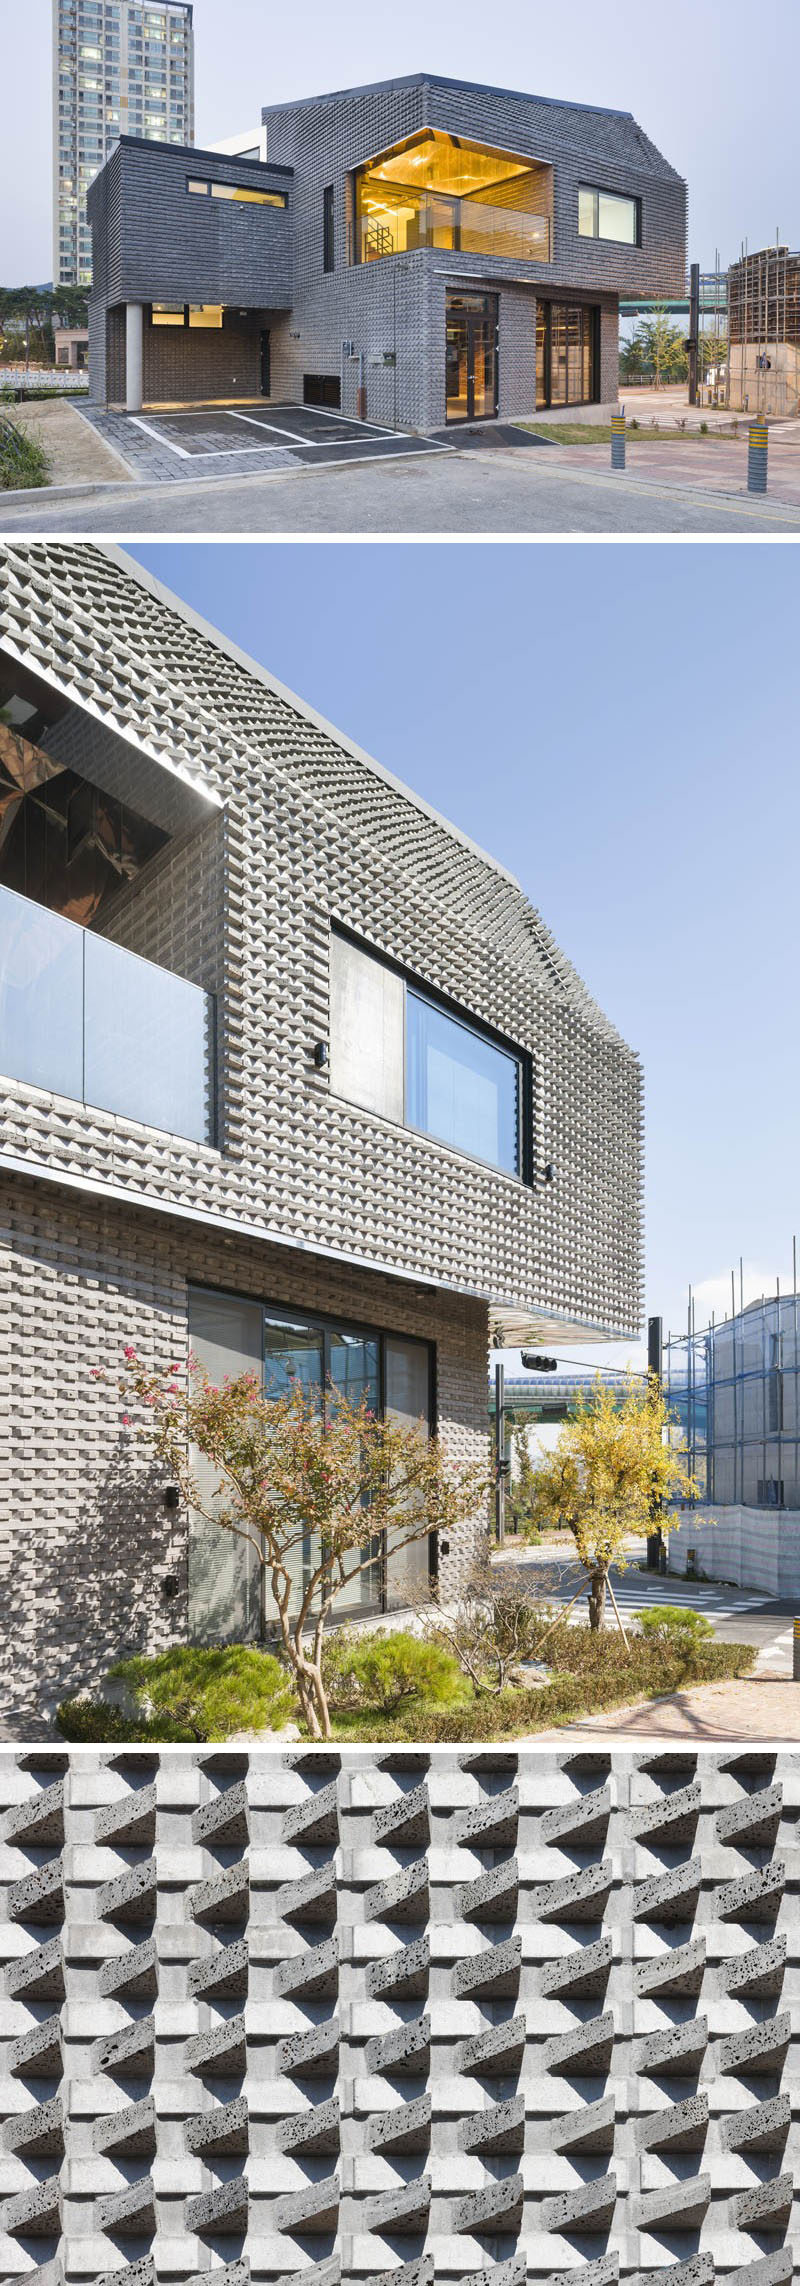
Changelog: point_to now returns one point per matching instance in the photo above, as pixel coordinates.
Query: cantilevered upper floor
(249, 978)
(565, 192)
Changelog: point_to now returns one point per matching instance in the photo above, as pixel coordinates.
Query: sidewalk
(761, 1706)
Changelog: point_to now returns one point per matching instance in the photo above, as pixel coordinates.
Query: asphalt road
(738, 1615)
(479, 493)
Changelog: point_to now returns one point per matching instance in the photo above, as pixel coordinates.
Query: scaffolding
(764, 332)
(733, 1390)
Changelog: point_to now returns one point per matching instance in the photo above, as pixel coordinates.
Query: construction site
(764, 333)
(733, 1390)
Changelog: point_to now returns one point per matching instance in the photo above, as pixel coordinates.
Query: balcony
(454, 225)
(85, 1018)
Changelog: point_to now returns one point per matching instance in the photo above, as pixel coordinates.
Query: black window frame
(524, 1174)
(328, 230)
(590, 311)
(608, 190)
(327, 1323)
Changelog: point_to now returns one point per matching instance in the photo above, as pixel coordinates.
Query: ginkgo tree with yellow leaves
(617, 1461)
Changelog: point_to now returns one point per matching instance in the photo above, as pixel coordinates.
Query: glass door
(471, 357)
(294, 1359)
(354, 1362)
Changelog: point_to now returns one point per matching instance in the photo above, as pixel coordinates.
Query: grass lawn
(644, 432)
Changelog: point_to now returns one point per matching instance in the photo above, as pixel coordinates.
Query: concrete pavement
(450, 494)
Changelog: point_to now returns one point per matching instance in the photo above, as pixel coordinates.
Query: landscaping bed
(393, 1686)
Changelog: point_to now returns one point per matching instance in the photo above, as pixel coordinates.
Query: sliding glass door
(229, 1598)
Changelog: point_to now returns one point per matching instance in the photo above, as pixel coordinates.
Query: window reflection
(460, 1087)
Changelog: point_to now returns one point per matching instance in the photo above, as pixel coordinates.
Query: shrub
(388, 1669)
(94, 1722)
(674, 1620)
(498, 1622)
(23, 463)
(207, 1694)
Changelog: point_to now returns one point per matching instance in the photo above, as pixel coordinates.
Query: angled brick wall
(412, 2018)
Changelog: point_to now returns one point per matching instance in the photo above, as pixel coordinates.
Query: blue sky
(619, 726)
(712, 82)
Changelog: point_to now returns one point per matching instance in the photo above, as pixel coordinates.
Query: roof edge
(439, 79)
(251, 666)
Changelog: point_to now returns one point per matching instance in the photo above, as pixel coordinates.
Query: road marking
(149, 431)
(258, 422)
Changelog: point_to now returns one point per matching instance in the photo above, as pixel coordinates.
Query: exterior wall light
(172, 1496)
(169, 1588)
(550, 1172)
(321, 1055)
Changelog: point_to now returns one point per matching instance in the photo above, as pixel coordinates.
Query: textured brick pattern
(364, 2132)
(399, 304)
(314, 833)
(80, 1279)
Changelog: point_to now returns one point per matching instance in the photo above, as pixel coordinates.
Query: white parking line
(149, 431)
(257, 422)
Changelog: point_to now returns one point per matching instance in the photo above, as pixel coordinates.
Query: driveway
(246, 441)
(412, 486)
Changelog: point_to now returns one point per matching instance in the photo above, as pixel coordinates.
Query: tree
(32, 311)
(494, 1625)
(616, 1460)
(713, 353)
(631, 357)
(661, 348)
(316, 1496)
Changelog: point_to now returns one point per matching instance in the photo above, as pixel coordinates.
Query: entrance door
(471, 357)
(266, 363)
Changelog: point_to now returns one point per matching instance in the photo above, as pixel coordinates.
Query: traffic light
(534, 1364)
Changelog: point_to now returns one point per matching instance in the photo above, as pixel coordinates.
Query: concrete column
(134, 356)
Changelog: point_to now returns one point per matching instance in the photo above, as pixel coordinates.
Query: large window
(438, 190)
(290, 1349)
(396, 1051)
(241, 193)
(603, 214)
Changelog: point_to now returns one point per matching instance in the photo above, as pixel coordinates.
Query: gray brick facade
(277, 828)
(162, 2119)
(149, 245)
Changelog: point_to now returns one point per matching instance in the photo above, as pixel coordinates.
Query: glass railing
(407, 220)
(85, 1018)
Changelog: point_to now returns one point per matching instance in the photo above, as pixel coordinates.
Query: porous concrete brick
(671, 1820)
(678, 1973)
(674, 2053)
(39, 1897)
(316, 1819)
(128, 2134)
(220, 2133)
(669, 1897)
(405, 2050)
(756, 1897)
(402, 2213)
(760, 2051)
(131, 2052)
(224, 1976)
(496, 2053)
(759, 1971)
(403, 1897)
(223, 1822)
(310, 2055)
(407, 2127)
(37, 2133)
(589, 2208)
(679, 2127)
(313, 2132)
(497, 2208)
(130, 2213)
(584, 1822)
(224, 1899)
(36, 2213)
(683, 2205)
(312, 1898)
(38, 1975)
(132, 2274)
(311, 1975)
(766, 2207)
(577, 1897)
(131, 1898)
(762, 2127)
(221, 2050)
(587, 2130)
(491, 1974)
(499, 2129)
(492, 1897)
(221, 2213)
(134, 1973)
(407, 1820)
(753, 1821)
(128, 1822)
(37, 2054)
(309, 2213)
(39, 1820)
(586, 2048)
(579, 1975)
(491, 1824)
(403, 1975)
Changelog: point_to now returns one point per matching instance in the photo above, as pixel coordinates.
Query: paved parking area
(245, 440)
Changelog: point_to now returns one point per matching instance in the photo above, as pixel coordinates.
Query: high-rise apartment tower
(120, 67)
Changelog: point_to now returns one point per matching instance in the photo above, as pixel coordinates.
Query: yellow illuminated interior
(248, 197)
(205, 314)
(433, 161)
(163, 315)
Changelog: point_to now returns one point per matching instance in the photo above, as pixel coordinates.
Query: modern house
(293, 1076)
(424, 249)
